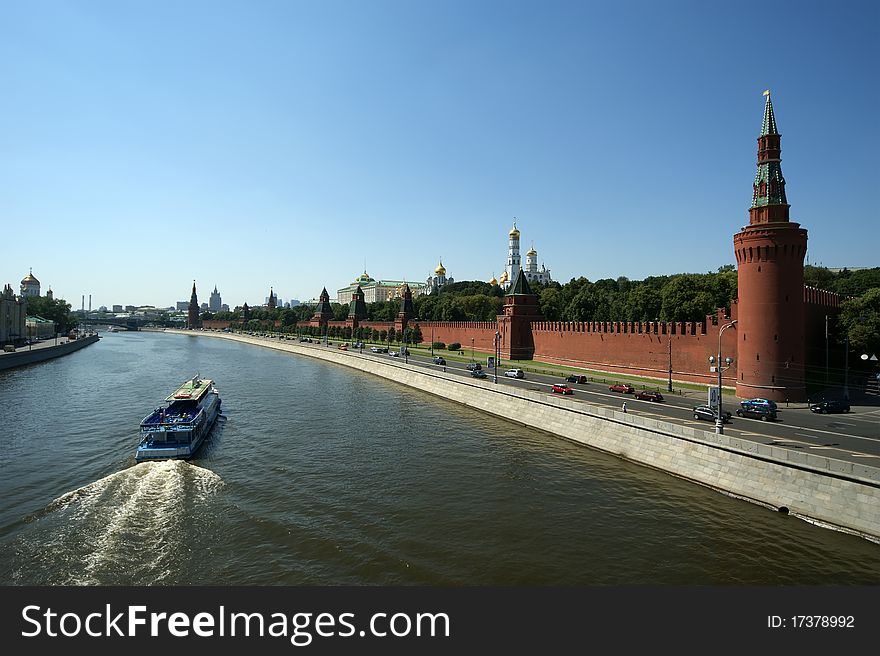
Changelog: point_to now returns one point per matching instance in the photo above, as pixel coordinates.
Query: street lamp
(472, 349)
(719, 419)
(497, 345)
(405, 346)
(432, 341)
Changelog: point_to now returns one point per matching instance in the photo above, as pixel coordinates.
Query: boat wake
(139, 526)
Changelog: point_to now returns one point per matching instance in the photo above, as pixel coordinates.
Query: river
(322, 475)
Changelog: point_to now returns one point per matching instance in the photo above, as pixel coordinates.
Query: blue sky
(258, 143)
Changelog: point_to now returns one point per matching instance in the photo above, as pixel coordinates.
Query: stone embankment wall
(833, 493)
(29, 356)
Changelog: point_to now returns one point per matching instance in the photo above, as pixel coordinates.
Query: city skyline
(292, 146)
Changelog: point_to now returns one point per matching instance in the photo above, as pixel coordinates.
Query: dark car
(478, 373)
(439, 360)
(562, 389)
(574, 378)
(648, 395)
(474, 366)
(621, 387)
(753, 411)
(825, 407)
(708, 414)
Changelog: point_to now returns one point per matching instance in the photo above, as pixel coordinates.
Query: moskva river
(322, 475)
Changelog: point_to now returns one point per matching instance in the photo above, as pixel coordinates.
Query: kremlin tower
(770, 255)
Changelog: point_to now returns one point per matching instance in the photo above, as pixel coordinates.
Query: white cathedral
(531, 271)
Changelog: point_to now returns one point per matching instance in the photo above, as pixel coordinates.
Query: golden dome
(532, 253)
(440, 270)
(503, 277)
(514, 232)
(493, 281)
(29, 278)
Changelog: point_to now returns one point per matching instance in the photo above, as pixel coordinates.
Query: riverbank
(832, 493)
(44, 351)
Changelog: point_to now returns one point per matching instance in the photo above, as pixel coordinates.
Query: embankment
(833, 493)
(45, 352)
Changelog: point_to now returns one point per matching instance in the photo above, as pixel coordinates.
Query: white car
(515, 373)
(393, 354)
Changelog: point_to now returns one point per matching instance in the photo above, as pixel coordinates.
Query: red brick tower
(192, 314)
(520, 309)
(323, 311)
(407, 312)
(770, 257)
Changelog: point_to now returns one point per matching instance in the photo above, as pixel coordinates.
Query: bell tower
(770, 255)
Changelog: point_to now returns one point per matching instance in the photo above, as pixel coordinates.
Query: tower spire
(768, 126)
(769, 204)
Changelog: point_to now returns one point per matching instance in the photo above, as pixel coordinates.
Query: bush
(454, 346)
(439, 345)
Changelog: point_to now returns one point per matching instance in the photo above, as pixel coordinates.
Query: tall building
(770, 258)
(192, 318)
(514, 263)
(30, 286)
(13, 316)
(215, 303)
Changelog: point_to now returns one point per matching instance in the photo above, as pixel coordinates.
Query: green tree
(53, 309)
(860, 319)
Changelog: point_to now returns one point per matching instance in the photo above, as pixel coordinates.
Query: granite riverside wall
(30, 356)
(833, 493)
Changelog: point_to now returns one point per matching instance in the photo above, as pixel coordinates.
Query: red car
(619, 387)
(648, 395)
(562, 389)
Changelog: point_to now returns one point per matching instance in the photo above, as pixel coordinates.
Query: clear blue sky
(259, 143)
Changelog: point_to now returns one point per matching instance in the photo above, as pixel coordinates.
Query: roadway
(853, 436)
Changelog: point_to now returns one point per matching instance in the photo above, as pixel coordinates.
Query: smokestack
(84, 303)
(90, 302)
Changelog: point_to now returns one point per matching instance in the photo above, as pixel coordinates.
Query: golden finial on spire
(766, 92)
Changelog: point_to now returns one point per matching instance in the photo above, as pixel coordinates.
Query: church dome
(503, 278)
(532, 253)
(514, 232)
(492, 281)
(440, 270)
(29, 279)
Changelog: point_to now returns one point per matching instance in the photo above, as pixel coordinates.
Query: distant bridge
(130, 323)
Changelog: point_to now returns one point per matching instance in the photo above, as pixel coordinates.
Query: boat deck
(192, 390)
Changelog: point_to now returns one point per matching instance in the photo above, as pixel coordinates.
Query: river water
(322, 475)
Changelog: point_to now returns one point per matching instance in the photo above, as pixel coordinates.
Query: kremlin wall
(774, 330)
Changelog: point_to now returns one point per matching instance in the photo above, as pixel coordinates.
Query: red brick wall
(638, 348)
(448, 332)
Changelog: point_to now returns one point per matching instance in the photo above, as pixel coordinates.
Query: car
(574, 378)
(375, 349)
(561, 389)
(439, 360)
(825, 407)
(478, 373)
(474, 366)
(753, 411)
(707, 413)
(761, 403)
(621, 387)
(515, 373)
(648, 395)
(394, 354)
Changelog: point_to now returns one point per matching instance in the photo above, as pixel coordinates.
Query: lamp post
(719, 419)
(472, 349)
(669, 345)
(432, 341)
(497, 344)
(405, 346)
